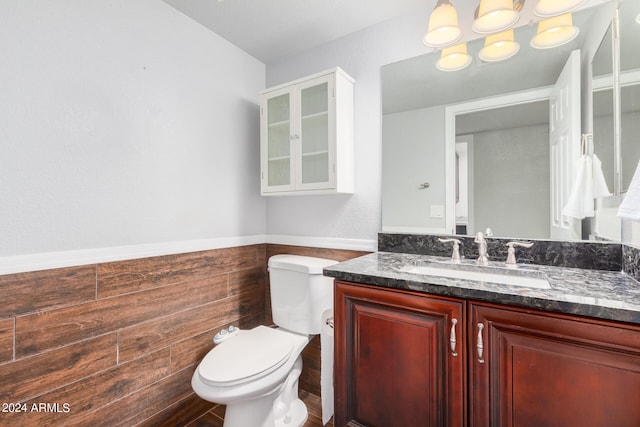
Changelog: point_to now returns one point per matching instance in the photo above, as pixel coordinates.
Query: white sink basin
(480, 276)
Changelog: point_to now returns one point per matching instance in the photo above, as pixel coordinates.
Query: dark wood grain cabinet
(543, 369)
(396, 364)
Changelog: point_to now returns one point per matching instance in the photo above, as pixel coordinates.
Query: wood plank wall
(118, 342)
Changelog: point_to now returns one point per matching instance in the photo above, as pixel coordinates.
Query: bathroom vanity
(420, 341)
(416, 349)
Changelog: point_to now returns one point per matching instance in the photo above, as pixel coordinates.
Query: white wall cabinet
(306, 136)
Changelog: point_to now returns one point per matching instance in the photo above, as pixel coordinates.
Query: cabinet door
(316, 136)
(396, 364)
(539, 369)
(278, 156)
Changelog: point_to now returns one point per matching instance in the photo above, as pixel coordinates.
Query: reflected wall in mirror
(629, 17)
(503, 148)
(603, 105)
(507, 152)
(624, 52)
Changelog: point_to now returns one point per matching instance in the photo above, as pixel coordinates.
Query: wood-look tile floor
(215, 417)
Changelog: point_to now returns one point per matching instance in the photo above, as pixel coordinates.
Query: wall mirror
(616, 97)
(469, 150)
(629, 28)
(603, 105)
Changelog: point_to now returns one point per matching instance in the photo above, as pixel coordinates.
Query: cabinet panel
(544, 369)
(394, 361)
(279, 148)
(316, 126)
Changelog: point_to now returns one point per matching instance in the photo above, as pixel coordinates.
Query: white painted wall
(126, 123)
(123, 123)
(361, 55)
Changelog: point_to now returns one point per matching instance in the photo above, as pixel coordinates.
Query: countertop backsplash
(573, 254)
(631, 261)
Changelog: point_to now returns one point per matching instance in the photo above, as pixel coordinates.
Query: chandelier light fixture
(554, 32)
(498, 47)
(494, 16)
(454, 58)
(443, 26)
(549, 8)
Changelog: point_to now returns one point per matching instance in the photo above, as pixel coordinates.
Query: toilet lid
(250, 354)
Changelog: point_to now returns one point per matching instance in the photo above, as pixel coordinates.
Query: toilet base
(296, 417)
(280, 408)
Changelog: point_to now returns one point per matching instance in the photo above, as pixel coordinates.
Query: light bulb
(443, 26)
(454, 58)
(495, 16)
(554, 32)
(498, 47)
(550, 8)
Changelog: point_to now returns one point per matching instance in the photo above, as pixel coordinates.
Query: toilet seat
(250, 355)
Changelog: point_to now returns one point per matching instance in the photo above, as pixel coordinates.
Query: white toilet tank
(299, 292)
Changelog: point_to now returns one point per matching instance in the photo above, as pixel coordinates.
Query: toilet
(255, 372)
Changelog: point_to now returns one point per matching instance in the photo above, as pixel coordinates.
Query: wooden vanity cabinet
(544, 369)
(396, 363)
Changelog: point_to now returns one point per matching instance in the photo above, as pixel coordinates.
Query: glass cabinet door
(279, 159)
(314, 135)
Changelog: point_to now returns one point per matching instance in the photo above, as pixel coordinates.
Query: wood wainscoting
(116, 344)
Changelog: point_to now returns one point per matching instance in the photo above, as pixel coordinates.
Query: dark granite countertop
(595, 293)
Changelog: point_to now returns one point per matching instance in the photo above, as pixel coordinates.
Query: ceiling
(273, 29)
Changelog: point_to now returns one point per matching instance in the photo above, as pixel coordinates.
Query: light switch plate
(437, 211)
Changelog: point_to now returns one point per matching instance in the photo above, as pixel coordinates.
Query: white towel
(580, 202)
(588, 184)
(600, 188)
(630, 206)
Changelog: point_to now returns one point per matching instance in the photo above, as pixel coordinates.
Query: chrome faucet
(511, 252)
(455, 254)
(483, 258)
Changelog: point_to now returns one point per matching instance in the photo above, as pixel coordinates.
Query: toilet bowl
(255, 373)
(249, 372)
